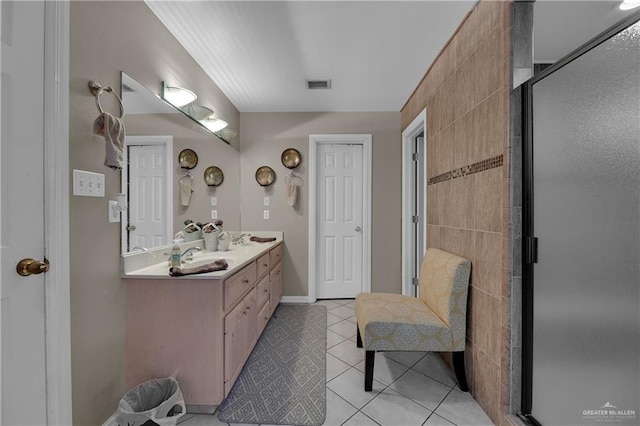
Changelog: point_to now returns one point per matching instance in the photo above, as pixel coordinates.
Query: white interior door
(22, 229)
(147, 181)
(147, 218)
(340, 220)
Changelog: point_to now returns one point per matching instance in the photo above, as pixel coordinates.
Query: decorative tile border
(478, 167)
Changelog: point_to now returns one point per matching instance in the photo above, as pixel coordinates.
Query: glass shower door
(585, 214)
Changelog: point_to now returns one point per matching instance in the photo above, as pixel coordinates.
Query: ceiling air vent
(318, 84)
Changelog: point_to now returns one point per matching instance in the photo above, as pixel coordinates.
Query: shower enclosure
(581, 234)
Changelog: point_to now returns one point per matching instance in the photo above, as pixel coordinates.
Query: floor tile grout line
(355, 414)
(445, 397)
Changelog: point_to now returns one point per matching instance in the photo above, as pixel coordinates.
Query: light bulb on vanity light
(214, 124)
(629, 4)
(178, 96)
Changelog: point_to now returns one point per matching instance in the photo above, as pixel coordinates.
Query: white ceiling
(375, 52)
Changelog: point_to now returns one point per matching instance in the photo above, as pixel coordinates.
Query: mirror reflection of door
(147, 182)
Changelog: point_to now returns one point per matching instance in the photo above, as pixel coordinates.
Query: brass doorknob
(28, 267)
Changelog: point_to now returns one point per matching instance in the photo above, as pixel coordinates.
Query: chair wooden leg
(370, 356)
(358, 338)
(458, 368)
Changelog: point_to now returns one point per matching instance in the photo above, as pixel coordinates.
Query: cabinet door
(275, 286)
(263, 265)
(234, 345)
(263, 317)
(263, 291)
(250, 321)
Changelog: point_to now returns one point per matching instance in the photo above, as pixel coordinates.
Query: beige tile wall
(466, 92)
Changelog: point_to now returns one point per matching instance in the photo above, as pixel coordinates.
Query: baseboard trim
(295, 299)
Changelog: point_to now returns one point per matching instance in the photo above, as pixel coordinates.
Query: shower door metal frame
(529, 242)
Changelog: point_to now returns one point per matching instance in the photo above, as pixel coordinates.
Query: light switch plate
(214, 214)
(266, 201)
(88, 184)
(265, 214)
(214, 201)
(113, 213)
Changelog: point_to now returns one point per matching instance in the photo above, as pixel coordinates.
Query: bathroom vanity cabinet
(202, 330)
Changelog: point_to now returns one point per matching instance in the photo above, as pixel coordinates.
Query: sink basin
(200, 261)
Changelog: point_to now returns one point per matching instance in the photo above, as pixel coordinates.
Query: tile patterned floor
(409, 388)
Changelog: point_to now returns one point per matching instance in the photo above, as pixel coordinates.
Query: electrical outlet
(266, 201)
(214, 214)
(265, 214)
(214, 201)
(88, 184)
(113, 212)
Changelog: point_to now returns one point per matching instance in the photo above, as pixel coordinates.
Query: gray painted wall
(263, 138)
(105, 39)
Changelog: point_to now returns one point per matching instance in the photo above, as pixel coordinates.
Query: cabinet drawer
(263, 318)
(238, 285)
(263, 291)
(275, 255)
(263, 265)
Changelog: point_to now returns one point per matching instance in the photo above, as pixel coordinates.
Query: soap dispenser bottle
(175, 255)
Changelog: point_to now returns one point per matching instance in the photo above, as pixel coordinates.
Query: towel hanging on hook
(186, 188)
(97, 89)
(293, 181)
(112, 128)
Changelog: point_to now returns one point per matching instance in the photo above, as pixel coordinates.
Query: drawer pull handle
(266, 265)
(245, 281)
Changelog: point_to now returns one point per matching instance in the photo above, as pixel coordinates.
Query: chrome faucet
(188, 253)
(237, 238)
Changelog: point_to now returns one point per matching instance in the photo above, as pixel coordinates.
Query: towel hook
(97, 89)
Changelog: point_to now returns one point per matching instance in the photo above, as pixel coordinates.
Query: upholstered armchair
(434, 321)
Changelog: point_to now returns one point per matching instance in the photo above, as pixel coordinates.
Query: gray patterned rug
(283, 381)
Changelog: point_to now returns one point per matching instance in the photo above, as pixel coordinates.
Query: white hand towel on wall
(186, 188)
(293, 181)
(292, 194)
(112, 128)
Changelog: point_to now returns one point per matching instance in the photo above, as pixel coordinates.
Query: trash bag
(157, 401)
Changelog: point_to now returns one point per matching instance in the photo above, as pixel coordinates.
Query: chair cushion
(444, 285)
(393, 322)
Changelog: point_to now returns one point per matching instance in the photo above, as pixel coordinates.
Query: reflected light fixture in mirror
(629, 4)
(178, 96)
(214, 124)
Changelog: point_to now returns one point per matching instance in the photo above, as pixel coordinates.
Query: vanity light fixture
(629, 4)
(214, 124)
(178, 96)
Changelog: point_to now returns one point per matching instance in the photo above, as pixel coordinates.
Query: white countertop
(154, 264)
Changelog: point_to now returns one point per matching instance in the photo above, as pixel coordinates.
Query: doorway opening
(339, 215)
(414, 202)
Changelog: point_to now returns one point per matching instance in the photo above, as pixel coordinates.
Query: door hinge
(415, 282)
(414, 156)
(415, 219)
(531, 254)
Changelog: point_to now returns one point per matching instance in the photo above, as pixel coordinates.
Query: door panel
(340, 224)
(586, 216)
(147, 188)
(22, 220)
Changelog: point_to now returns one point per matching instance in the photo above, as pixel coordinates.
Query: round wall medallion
(290, 158)
(213, 176)
(188, 159)
(265, 176)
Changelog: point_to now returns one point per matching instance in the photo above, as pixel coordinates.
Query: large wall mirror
(156, 133)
